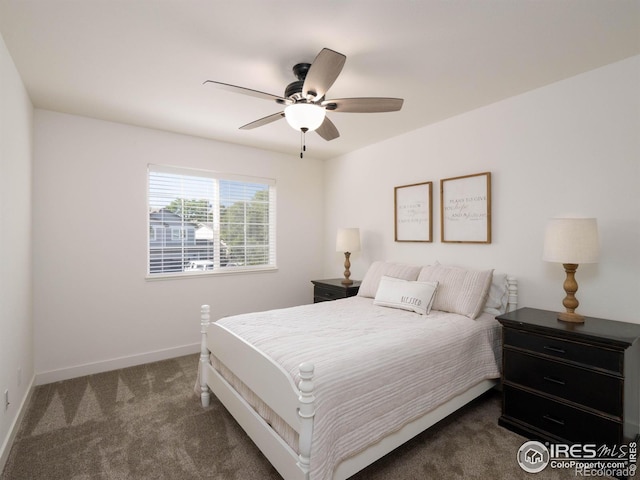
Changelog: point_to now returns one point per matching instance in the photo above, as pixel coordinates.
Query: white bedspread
(376, 368)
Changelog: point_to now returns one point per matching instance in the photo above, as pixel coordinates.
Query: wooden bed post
(512, 285)
(204, 356)
(306, 412)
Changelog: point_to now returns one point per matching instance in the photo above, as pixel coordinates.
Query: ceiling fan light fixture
(304, 115)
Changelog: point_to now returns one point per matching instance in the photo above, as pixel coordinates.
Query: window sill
(214, 273)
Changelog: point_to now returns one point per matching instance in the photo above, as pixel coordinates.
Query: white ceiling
(143, 62)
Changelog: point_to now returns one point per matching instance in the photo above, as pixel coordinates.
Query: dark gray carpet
(145, 422)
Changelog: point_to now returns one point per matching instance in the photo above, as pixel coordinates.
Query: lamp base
(347, 265)
(570, 302)
(570, 317)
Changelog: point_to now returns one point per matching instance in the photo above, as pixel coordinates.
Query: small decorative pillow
(371, 280)
(406, 295)
(459, 290)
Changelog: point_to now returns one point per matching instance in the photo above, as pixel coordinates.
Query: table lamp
(571, 241)
(348, 241)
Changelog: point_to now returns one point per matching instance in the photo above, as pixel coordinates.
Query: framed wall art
(465, 209)
(413, 211)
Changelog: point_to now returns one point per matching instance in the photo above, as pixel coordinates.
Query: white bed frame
(295, 404)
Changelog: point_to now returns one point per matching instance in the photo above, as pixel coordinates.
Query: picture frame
(465, 209)
(413, 208)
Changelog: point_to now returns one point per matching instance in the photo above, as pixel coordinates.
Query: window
(208, 222)
(178, 233)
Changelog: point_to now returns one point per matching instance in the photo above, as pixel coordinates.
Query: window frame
(216, 177)
(178, 233)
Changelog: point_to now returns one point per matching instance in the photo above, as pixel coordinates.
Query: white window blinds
(203, 221)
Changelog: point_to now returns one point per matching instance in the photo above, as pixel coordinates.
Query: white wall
(569, 148)
(93, 308)
(16, 326)
(572, 147)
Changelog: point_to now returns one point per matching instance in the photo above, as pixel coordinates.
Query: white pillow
(371, 280)
(459, 290)
(406, 295)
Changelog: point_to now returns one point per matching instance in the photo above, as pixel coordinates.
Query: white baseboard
(114, 364)
(15, 426)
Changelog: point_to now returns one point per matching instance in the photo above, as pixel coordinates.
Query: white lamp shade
(348, 240)
(304, 115)
(571, 240)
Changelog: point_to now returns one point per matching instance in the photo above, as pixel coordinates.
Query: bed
(326, 389)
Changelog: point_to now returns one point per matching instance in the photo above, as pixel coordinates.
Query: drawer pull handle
(555, 380)
(554, 349)
(553, 420)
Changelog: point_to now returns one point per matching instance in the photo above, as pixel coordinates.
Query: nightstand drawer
(579, 385)
(321, 294)
(333, 289)
(591, 355)
(568, 423)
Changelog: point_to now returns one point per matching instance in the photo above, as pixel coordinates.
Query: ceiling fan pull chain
(303, 141)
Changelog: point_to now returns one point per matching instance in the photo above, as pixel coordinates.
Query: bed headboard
(512, 291)
(503, 294)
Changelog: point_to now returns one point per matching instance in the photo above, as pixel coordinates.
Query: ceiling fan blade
(249, 91)
(263, 121)
(323, 72)
(364, 104)
(328, 130)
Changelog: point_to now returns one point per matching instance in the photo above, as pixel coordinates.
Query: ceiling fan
(304, 100)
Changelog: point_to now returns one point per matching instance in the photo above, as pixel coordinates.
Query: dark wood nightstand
(567, 382)
(333, 289)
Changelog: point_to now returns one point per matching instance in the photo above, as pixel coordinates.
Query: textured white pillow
(371, 280)
(459, 290)
(407, 295)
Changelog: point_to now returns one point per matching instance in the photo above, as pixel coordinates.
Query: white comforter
(376, 368)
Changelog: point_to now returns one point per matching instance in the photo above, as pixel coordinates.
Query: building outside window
(207, 222)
